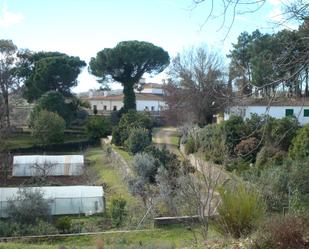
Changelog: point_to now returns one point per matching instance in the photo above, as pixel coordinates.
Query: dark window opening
(289, 112)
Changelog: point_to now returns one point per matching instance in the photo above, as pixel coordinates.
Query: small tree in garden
(300, 144)
(48, 127)
(118, 211)
(98, 127)
(28, 207)
(138, 140)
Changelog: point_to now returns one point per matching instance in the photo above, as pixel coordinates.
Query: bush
(138, 140)
(239, 211)
(98, 127)
(190, 146)
(145, 167)
(48, 127)
(247, 148)
(282, 232)
(132, 119)
(118, 211)
(28, 206)
(300, 144)
(269, 156)
(64, 224)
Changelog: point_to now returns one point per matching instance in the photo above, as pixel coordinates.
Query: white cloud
(8, 18)
(275, 2)
(276, 15)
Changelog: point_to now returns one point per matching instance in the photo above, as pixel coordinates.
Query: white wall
(109, 104)
(152, 90)
(274, 111)
(142, 104)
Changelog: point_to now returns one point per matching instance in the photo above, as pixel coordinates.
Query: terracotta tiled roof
(139, 96)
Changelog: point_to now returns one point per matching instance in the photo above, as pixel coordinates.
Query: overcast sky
(84, 27)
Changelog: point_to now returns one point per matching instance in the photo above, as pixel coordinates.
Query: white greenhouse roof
(52, 159)
(79, 191)
(37, 165)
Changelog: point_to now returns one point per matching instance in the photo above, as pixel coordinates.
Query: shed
(51, 165)
(62, 200)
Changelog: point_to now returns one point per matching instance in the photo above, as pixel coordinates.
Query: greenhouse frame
(48, 165)
(63, 200)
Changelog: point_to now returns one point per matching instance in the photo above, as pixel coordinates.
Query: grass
(170, 237)
(126, 156)
(175, 140)
(25, 140)
(108, 174)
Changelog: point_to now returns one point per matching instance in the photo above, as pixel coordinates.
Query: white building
(276, 109)
(149, 99)
(43, 165)
(62, 200)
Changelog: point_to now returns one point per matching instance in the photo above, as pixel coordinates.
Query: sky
(84, 27)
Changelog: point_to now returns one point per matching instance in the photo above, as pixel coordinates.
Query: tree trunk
(129, 101)
(307, 82)
(7, 109)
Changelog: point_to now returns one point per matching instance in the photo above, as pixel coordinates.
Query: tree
(53, 101)
(8, 80)
(51, 71)
(29, 206)
(98, 127)
(126, 63)
(48, 127)
(138, 140)
(196, 87)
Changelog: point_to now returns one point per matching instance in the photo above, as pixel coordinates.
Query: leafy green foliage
(54, 101)
(98, 127)
(240, 210)
(118, 211)
(300, 144)
(247, 148)
(138, 140)
(52, 71)
(145, 167)
(28, 206)
(126, 63)
(64, 224)
(128, 121)
(48, 127)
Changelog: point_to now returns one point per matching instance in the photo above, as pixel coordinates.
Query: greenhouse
(36, 165)
(62, 200)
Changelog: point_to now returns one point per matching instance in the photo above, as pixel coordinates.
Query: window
(152, 108)
(146, 108)
(306, 112)
(289, 112)
(105, 108)
(115, 108)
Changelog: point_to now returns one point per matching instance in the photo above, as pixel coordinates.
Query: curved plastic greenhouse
(62, 200)
(42, 165)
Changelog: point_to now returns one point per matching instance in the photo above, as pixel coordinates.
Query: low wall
(165, 221)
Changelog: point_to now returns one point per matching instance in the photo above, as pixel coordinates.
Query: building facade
(149, 99)
(299, 109)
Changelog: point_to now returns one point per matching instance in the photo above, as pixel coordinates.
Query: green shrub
(28, 206)
(130, 120)
(269, 156)
(64, 224)
(118, 211)
(282, 232)
(300, 144)
(116, 136)
(190, 146)
(48, 127)
(145, 166)
(98, 127)
(239, 211)
(138, 140)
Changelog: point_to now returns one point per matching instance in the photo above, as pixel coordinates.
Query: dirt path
(166, 136)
